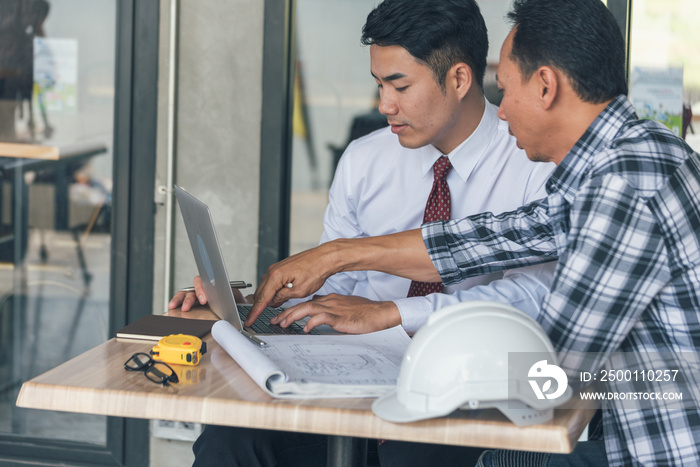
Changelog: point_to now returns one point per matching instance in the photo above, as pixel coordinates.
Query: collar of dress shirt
(465, 157)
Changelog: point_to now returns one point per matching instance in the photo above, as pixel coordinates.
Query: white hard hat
(460, 359)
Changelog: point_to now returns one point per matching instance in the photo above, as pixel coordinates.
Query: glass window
(335, 99)
(332, 88)
(57, 68)
(665, 64)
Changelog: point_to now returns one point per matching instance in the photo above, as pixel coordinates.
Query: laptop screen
(207, 254)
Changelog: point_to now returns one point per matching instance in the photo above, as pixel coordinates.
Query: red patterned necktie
(436, 209)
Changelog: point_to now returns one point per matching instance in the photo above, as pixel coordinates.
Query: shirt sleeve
(612, 269)
(524, 288)
(486, 243)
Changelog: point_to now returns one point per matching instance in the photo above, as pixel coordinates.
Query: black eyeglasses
(158, 372)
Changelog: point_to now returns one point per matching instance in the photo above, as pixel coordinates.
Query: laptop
(212, 270)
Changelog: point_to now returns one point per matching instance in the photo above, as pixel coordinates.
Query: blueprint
(304, 366)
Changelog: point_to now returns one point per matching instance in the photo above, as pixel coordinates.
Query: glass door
(57, 59)
(75, 146)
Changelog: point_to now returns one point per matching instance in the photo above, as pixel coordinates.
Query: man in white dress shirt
(383, 180)
(428, 59)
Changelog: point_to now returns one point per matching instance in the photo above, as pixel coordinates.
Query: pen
(234, 284)
(254, 339)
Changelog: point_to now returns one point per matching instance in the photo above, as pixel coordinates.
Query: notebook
(154, 327)
(215, 280)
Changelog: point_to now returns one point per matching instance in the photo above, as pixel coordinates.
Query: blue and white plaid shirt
(623, 216)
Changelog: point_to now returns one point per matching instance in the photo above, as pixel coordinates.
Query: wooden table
(16, 159)
(219, 392)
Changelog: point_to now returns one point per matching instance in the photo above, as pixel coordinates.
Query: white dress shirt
(380, 187)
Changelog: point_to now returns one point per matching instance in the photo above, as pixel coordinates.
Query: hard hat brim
(389, 408)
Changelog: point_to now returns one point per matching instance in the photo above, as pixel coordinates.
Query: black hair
(579, 37)
(439, 33)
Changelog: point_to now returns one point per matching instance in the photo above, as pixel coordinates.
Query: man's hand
(186, 300)
(353, 315)
(298, 276)
(401, 254)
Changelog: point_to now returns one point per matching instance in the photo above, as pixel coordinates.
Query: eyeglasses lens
(161, 373)
(138, 361)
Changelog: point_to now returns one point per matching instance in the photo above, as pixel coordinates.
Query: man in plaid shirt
(622, 215)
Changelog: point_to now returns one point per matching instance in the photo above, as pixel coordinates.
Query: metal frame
(134, 184)
(132, 234)
(276, 132)
(622, 11)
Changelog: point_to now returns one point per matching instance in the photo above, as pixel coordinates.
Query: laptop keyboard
(262, 324)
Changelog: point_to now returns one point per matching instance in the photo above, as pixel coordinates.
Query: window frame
(276, 132)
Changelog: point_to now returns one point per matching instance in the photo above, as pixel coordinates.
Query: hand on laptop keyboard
(344, 313)
(263, 326)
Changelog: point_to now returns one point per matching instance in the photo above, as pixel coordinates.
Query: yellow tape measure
(180, 349)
